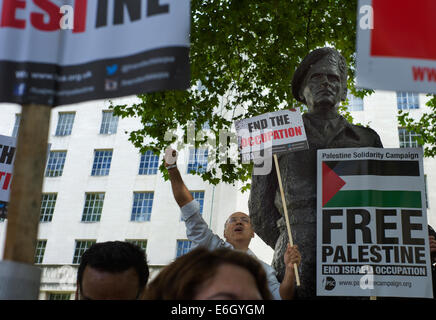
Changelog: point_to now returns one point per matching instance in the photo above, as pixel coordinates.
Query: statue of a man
(320, 82)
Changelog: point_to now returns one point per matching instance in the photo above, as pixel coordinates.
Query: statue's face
(322, 86)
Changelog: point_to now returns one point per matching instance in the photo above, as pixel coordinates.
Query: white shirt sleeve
(197, 229)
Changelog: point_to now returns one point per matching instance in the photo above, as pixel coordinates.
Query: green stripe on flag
(375, 198)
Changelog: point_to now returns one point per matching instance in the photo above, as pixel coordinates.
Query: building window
(47, 207)
(40, 250)
(354, 103)
(55, 163)
(109, 123)
(102, 162)
(197, 160)
(149, 163)
(93, 207)
(183, 246)
(58, 296)
(142, 205)
(407, 139)
(199, 196)
(81, 247)
(65, 124)
(16, 125)
(142, 243)
(407, 100)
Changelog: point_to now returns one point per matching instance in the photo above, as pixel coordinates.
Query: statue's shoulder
(370, 134)
(364, 130)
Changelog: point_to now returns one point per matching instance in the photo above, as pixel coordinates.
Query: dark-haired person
(238, 233)
(113, 270)
(201, 274)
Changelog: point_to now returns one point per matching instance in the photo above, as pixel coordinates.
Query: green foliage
(243, 55)
(425, 126)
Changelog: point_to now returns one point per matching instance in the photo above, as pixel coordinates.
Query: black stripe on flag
(374, 167)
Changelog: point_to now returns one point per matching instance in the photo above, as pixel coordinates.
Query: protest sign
(395, 45)
(372, 231)
(269, 134)
(7, 157)
(280, 131)
(62, 52)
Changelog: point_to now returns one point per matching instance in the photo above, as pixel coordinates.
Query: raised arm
(180, 191)
(197, 229)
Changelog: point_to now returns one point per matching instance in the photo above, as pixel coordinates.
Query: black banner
(53, 85)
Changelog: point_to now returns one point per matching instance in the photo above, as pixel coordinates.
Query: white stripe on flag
(383, 183)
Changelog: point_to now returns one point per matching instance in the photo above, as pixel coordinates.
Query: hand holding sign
(292, 256)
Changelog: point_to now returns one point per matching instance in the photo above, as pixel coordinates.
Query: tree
(243, 55)
(425, 127)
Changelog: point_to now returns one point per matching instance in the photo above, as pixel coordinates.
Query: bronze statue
(320, 82)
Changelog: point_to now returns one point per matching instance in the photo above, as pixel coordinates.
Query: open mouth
(238, 229)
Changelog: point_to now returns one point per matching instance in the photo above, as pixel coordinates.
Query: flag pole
(285, 209)
(20, 277)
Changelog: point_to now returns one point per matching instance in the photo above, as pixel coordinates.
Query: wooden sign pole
(26, 189)
(285, 209)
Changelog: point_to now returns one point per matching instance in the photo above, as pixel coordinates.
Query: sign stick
(285, 209)
(26, 188)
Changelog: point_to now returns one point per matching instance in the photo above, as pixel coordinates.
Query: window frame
(87, 244)
(142, 243)
(198, 160)
(101, 168)
(407, 100)
(109, 122)
(411, 143)
(137, 213)
(56, 168)
(148, 163)
(89, 213)
(181, 250)
(41, 245)
(64, 126)
(46, 213)
(55, 295)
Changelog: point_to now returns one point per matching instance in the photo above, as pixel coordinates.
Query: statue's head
(320, 80)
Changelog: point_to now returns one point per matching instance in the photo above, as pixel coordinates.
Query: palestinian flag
(371, 183)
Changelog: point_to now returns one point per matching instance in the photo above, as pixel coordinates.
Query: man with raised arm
(238, 232)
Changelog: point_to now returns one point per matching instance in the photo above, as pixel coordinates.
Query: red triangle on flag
(331, 184)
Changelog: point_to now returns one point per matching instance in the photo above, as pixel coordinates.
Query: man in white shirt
(238, 233)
